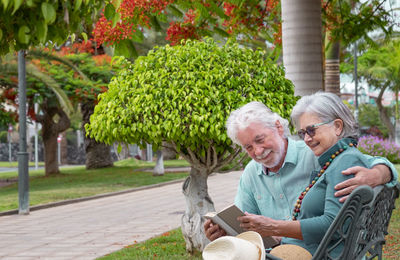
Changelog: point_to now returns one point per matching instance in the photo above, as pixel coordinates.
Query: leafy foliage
(79, 76)
(184, 94)
(349, 21)
(91, 78)
(33, 22)
(123, 22)
(380, 67)
(369, 117)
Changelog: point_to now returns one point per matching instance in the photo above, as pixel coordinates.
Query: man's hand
(379, 174)
(213, 231)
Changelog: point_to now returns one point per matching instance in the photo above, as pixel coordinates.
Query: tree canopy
(183, 94)
(32, 22)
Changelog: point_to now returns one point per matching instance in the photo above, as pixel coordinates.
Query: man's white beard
(278, 155)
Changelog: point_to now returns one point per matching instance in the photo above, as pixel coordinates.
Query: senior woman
(329, 129)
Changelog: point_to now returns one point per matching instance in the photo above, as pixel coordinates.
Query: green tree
(369, 117)
(345, 23)
(24, 24)
(75, 78)
(380, 67)
(183, 95)
(29, 23)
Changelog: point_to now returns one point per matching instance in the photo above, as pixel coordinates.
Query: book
(227, 220)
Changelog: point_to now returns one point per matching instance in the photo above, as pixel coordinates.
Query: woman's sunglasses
(310, 130)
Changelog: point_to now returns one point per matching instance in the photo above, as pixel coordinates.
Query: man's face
(263, 144)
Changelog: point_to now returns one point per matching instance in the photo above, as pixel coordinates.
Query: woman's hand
(270, 227)
(263, 225)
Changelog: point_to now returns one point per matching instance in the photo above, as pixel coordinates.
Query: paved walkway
(94, 228)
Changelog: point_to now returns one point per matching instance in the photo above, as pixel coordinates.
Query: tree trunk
(332, 69)
(384, 116)
(51, 154)
(98, 155)
(397, 124)
(198, 203)
(302, 44)
(159, 168)
(50, 131)
(64, 148)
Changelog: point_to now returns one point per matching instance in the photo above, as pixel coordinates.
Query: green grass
(169, 245)
(143, 164)
(15, 164)
(391, 249)
(78, 182)
(135, 164)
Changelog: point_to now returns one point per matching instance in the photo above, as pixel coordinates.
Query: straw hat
(291, 252)
(247, 245)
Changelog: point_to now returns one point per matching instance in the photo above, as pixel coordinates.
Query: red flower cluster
(78, 47)
(31, 113)
(134, 13)
(10, 94)
(248, 16)
(187, 29)
(278, 36)
(180, 31)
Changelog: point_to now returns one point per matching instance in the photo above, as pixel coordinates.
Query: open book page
(227, 220)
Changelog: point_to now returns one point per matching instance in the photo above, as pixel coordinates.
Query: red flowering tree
(79, 77)
(123, 25)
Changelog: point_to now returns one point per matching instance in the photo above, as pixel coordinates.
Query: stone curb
(104, 195)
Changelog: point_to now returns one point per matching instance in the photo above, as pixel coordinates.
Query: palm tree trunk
(302, 44)
(332, 62)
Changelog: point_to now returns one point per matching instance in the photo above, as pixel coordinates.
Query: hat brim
(254, 238)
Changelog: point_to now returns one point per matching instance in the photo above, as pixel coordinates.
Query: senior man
(281, 167)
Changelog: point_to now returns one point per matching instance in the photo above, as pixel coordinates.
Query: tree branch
(228, 159)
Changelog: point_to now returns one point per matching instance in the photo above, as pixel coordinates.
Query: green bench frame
(361, 225)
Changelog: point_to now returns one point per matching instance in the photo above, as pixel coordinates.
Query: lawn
(15, 164)
(77, 182)
(392, 248)
(169, 245)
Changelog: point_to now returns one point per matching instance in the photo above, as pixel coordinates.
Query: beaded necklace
(297, 206)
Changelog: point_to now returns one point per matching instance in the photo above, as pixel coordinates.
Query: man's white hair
(253, 112)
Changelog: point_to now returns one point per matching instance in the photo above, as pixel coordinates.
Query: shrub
(376, 146)
(3, 137)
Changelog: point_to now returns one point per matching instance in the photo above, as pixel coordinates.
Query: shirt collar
(326, 156)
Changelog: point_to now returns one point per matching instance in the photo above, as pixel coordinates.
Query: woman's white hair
(253, 112)
(327, 106)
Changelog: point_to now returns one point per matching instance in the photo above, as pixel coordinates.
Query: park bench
(361, 225)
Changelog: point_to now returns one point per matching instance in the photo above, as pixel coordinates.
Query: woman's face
(326, 135)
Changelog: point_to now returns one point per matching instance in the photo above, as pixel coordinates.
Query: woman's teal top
(320, 206)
